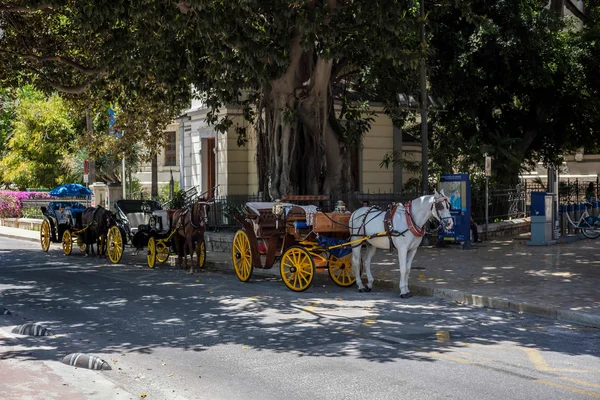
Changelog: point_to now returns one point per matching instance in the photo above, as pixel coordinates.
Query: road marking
(447, 357)
(541, 365)
(570, 388)
(212, 289)
(311, 308)
(585, 383)
(255, 298)
(442, 336)
(368, 321)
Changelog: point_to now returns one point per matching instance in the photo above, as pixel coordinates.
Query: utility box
(542, 219)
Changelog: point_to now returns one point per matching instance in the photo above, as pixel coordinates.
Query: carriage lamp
(340, 207)
(277, 208)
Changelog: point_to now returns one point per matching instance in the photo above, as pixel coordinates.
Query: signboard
(488, 165)
(112, 118)
(458, 189)
(86, 167)
(86, 178)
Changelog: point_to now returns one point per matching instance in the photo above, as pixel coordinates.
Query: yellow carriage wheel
(201, 253)
(242, 256)
(162, 251)
(341, 271)
(45, 235)
(115, 244)
(297, 268)
(67, 242)
(151, 252)
(80, 244)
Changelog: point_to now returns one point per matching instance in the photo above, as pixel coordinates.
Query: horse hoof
(406, 295)
(367, 289)
(362, 290)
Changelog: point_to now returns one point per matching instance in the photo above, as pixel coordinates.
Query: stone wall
(504, 229)
(31, 224)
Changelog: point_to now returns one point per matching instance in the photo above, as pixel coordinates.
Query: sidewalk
(560, 282)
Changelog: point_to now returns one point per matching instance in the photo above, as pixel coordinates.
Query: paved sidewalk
(560, 282)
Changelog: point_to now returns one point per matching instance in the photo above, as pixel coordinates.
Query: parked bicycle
(588, 224)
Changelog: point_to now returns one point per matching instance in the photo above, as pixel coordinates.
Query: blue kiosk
(457, 187)
(542, 219)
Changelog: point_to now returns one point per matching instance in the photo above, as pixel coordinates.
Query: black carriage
(62, 224)
(144, 224)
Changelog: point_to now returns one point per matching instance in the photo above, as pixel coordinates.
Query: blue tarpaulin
(338, 252)
(71, 190)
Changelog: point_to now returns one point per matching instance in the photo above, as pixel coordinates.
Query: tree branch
(63, 60)
(76, 89)
(25, 9)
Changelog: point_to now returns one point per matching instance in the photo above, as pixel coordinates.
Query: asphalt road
(170, 335)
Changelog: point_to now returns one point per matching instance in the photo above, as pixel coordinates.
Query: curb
(459, 296)
(6, 235)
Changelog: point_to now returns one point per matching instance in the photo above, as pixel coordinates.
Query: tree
(523, 96)
(302, 72)
(43, 135)
(7, 115)
(307, 67)
(97, 53)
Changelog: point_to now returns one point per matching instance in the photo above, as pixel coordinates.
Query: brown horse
(190, 224)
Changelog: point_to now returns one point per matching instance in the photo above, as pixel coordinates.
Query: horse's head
(441, 210)
(108, 219)
(200, 213)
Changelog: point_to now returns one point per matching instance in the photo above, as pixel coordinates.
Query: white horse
(407, 227)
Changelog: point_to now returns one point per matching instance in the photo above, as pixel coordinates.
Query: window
(171, 150)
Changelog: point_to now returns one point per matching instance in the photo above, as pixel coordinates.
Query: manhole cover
(4, 311)
(82, 360)
(31, 329)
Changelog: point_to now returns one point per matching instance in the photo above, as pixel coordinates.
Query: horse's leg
(371, 250)
(178, 249)
(409, 259)
(190, 246)
(402, 255)
(356, 266)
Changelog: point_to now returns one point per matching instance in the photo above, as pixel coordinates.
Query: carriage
(62, 217)
(303, 238)
(62, 224)
(144, 224)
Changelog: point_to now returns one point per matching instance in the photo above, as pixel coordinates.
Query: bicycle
(588, 224)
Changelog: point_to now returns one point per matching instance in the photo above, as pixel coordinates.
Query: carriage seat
(136, 220)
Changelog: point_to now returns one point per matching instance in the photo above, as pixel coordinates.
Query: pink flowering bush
(11, 203)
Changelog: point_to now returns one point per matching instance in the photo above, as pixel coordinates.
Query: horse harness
(439, 204)
(190, 209)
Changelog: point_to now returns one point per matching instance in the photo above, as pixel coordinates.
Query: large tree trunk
(154, 189)
(299, 151)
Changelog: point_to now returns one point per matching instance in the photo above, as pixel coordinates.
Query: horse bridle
(205, 218)
(440, 204)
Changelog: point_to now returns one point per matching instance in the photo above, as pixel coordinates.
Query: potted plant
(176, 203)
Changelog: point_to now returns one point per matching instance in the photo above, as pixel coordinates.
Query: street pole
(424, 136)
(124, 180)
(487, 206)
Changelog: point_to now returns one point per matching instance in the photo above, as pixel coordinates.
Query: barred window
(171, 150)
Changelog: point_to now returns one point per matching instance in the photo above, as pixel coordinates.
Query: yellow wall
(239, 162)
(376, 143)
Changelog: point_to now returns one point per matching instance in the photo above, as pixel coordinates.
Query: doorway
(210, 167)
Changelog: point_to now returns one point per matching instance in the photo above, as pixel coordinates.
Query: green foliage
(178, 200)
(164, 191)
(43, 134)
(513, 85)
